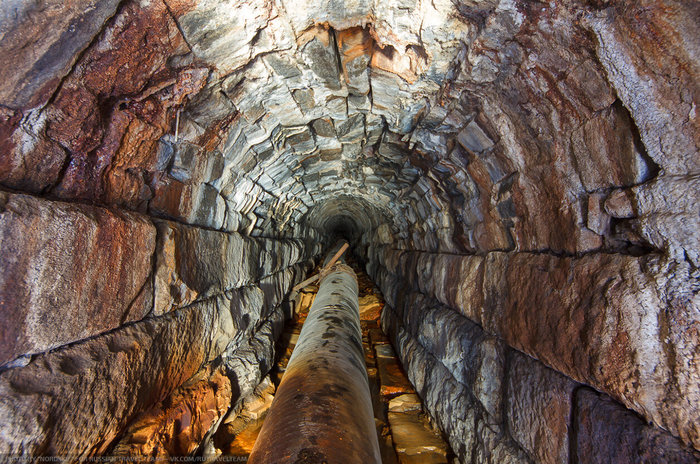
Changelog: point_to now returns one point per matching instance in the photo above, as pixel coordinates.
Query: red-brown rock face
(69, 272)
(110, 112)
(177, 426)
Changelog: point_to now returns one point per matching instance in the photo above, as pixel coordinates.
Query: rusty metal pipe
(322, 411)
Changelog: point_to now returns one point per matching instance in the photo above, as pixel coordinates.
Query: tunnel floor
(406, 433)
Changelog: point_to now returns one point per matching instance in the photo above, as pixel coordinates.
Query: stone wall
(120, 312)
(465, 325)
(552, 224)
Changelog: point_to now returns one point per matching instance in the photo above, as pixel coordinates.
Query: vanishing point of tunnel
(518, 182)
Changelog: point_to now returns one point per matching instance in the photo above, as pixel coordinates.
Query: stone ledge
(85, 393)
(607, 320)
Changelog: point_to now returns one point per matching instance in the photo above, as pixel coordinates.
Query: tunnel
(518, 179)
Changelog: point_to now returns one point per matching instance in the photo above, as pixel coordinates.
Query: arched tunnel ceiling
(345, 216)
(324, 99)
(471, 126)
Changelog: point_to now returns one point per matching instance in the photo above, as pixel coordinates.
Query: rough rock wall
(572, 237)
(463, 346)
(118, 311)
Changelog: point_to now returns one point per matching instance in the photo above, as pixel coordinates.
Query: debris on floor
(406, 434)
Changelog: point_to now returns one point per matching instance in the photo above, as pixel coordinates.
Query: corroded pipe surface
(322, 411)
